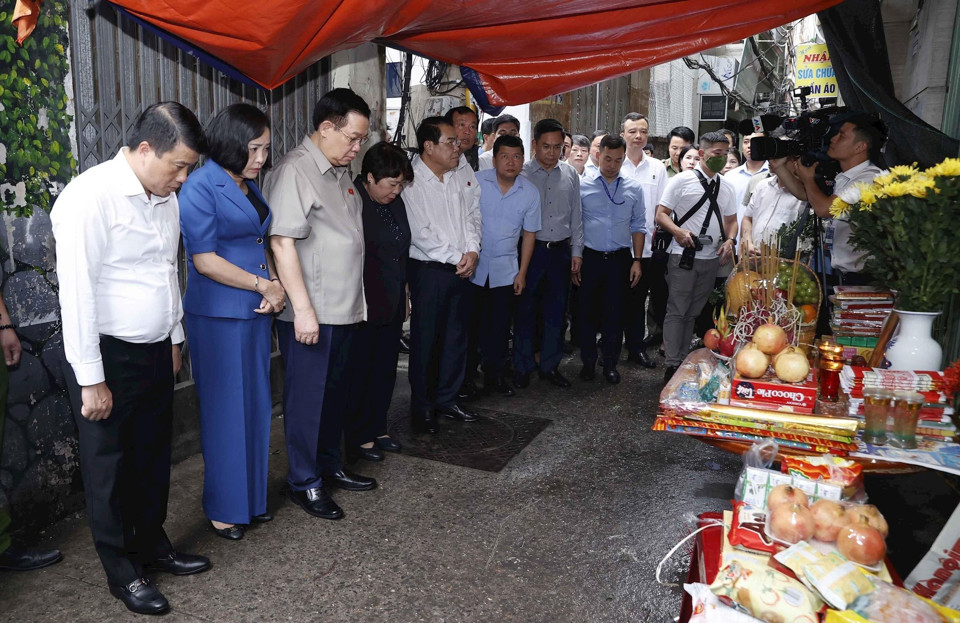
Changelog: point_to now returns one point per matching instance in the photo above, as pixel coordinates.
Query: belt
(553, 244)
(451, 268)
(606, 255)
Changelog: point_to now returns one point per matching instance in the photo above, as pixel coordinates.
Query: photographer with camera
(698, 208)
(856, 147)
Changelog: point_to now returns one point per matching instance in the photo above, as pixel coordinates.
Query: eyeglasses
(454, 142)
(354, 140)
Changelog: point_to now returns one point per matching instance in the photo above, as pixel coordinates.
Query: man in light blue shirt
(509, 206)
(614, 221)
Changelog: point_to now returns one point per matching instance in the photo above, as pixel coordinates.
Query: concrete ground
(571, 530)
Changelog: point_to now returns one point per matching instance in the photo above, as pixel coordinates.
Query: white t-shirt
(771, 207)
(842, 255)
(683, 191)
(652, 176)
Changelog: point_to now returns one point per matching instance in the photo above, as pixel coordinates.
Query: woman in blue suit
(232, 290)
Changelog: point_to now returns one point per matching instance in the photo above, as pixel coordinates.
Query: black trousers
(316, 387)
(125, 459)
(652, 286)
(490, 327)
(374, 355)
(440, 304)
(604, 280)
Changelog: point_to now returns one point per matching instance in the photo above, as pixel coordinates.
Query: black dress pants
(493, 309)
(604, 279)
(374, 355)
(440, 304)
(125, 459)
(651, 287)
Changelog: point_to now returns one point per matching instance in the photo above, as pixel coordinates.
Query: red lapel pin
(350, 190)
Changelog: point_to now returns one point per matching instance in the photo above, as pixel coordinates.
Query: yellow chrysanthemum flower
(950, 167)
(882, 180)
(868, 196)
(903, 170)
(839, 208)
(896, 189)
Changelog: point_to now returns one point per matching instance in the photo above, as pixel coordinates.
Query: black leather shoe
(387, 444)
(641, 359)
(233, 533)
(456, 412)
(588, 373)
(521, 379)
(348, 481)
(555, 377)
(425, 422)
(653, 340)
(611, 375)
(178, 563)
(468, 392)
(404, 345)
(264, 518)
(16, 559)
(498, 385)
(668, 373)
(142, 597)
(367, 454)
(317, 502)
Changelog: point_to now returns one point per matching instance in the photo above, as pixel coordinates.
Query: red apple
(828, 518)
(791, 522)
(861, 543)
(711, 339)
(728, 345)
(786, 494)
(871, 515)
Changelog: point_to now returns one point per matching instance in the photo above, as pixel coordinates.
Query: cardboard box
(769, 392)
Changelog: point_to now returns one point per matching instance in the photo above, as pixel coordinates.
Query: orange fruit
(809, 313)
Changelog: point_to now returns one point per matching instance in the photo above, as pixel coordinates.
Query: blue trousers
(315, 398)
(231, 368)
(548, 281)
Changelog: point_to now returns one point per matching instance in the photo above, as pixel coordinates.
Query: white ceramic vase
(914, 347)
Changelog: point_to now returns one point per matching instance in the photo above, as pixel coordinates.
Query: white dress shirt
(682, 193)
(485, 160)
(652, 176)
(770, 208)
(444, 215)
(842, 255)
(116, 264)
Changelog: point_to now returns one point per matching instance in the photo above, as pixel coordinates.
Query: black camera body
(809, 136)
(689, 254)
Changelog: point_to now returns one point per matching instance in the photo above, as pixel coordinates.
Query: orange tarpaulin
(521, 51)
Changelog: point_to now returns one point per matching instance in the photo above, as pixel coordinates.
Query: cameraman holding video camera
(698, 208)
(856, 147)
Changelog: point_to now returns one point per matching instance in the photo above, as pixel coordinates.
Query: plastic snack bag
(766, 593)
(707, 607)
(890, 604)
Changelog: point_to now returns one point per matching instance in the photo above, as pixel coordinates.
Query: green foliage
(907, 223)
(34, 110)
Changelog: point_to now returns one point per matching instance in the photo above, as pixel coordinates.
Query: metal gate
(120, 68)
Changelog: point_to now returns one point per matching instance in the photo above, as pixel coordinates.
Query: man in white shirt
(652, 176)
(855, 146)
(740, 177)
(117, 233)
(691, 272)
(444, 213)
(591, 169)
(770, 207)
(504, 125)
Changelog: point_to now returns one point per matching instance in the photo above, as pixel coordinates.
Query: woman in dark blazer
(376, 346)
(232, 290)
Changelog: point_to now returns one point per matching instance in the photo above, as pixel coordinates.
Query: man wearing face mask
(704, 206)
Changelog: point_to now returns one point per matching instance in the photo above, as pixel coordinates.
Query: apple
(786, 494)
(711, 339)
(861, 543)
(728, 345)
(871, 515)
(791, 522)
(828, 518)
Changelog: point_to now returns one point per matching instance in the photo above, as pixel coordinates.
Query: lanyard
(606, 189)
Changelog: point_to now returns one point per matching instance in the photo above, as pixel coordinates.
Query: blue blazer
(216, 216)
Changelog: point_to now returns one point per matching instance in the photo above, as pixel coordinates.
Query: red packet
(747, 532)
